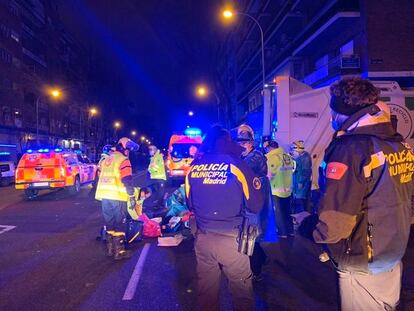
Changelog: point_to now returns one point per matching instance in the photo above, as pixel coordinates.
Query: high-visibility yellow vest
(281, 167)
(156, 167)
(110, 186)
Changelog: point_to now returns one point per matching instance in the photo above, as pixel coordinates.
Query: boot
(119, 248)
(110, 251)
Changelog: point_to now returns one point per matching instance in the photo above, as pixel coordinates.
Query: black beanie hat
(339, 106)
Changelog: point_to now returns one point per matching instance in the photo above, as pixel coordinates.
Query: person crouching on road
(156, 170)
(366, 206)
(220, 188)
(281, 167)
(115, 189)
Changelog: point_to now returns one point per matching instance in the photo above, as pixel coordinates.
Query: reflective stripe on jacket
(156, 167)
(110, 184)
(280, 166)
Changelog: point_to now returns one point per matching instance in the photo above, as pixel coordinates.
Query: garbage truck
(302, 113)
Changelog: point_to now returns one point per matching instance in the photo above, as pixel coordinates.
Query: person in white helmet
(115, 189)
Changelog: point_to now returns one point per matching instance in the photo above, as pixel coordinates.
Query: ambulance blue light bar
(192, 131)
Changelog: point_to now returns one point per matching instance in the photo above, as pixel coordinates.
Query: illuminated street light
(55, 93)
(142, 138)
(191, 113)
(203, 91)
(93, 111)
(227, 13)
(117, 124)
(134, 133)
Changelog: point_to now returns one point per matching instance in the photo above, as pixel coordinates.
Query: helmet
(107, 149)
(126, 144)
(245, 133)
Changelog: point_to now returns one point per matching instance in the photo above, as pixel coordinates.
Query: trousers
(283, 211)
(114, 213)
(217, 253)
(370, 292)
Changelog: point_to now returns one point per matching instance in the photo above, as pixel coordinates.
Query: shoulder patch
(257, 184)
(336, 170)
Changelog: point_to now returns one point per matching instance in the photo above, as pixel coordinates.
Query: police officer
(115, 189)
(365, 212)
(258, 163)
(220, 187)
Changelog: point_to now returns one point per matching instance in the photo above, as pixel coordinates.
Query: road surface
(50, 260)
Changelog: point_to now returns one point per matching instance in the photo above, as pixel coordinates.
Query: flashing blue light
(8, 145)
(4, 153)
(58, 149)
(29, 151)
(192, 131)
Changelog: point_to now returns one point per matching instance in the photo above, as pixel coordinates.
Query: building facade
(316, 42)
(37, 55)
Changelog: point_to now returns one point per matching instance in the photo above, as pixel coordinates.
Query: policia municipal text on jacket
(220, 187)
(366, 210)
(115, 189)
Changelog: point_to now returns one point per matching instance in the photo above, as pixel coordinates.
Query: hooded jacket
(366, 208)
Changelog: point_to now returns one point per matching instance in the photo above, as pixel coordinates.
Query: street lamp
(93, 111)
(191, 113)
(142, 138)
(133, 133)
(202, 91)
(117, 126)
(54, 93)
(228, 14)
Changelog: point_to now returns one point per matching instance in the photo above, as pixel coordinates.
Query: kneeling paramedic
(115, 189)
(220, 188)
(365, 213)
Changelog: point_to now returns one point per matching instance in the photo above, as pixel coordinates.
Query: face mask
(151, 152)
(295, 153)
(337, 120)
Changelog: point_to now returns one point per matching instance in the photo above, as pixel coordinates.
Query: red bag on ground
(152, 229)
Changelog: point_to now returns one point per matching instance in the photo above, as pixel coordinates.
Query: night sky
(150, 55)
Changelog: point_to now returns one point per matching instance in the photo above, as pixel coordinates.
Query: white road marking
(5, 228)
(136, 275)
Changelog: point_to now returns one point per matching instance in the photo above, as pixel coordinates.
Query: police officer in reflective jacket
(115, 189)
(220, 187)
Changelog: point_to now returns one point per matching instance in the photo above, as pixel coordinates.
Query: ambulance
(53, 169)
(181, 152)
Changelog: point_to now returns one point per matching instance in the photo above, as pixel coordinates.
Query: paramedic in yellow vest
(156, 170)
(115, 189)
(280, 171)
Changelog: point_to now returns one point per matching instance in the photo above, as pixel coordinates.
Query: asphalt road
(50, 260)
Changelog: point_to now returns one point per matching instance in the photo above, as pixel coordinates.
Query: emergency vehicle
(181, 152)
(8, 160)
(53, 168)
